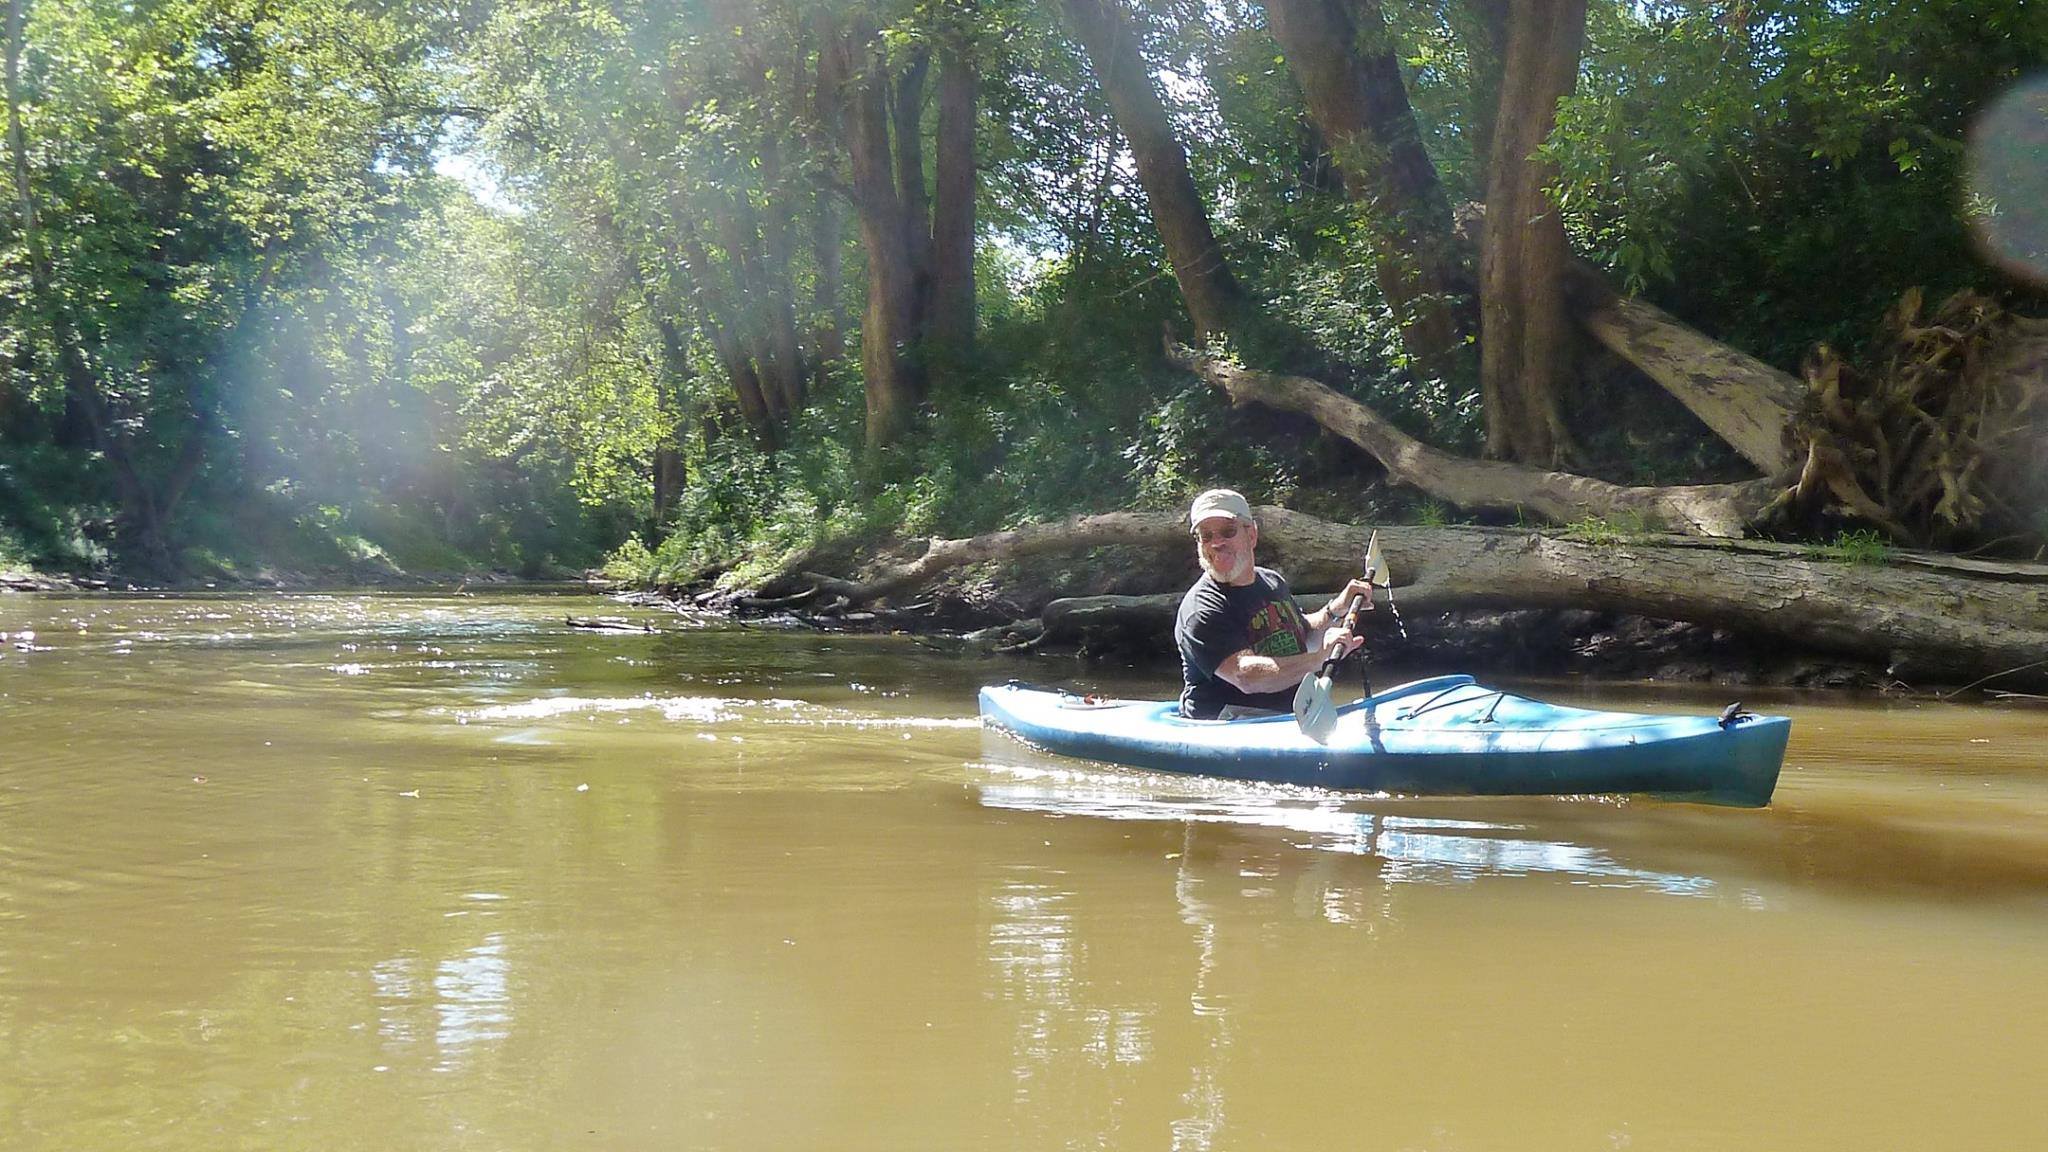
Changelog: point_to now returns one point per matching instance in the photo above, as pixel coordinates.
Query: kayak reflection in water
(1244, 646)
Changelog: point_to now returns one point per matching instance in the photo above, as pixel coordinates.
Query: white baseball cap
(1219, 502)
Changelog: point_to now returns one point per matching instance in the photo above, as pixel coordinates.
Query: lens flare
(2007, 199)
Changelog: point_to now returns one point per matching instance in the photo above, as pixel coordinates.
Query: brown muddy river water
(408, 872)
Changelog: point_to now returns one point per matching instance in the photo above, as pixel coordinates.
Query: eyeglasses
(1227, 532)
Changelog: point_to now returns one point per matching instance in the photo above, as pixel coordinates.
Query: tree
(1525, 340)
(172, 170)
(918, 239)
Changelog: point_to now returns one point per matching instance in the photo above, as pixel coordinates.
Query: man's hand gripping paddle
(1314, 711)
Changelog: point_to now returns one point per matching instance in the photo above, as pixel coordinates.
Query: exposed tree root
(1943, 446)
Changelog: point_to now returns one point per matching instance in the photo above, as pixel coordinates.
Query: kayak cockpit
(1434, 685)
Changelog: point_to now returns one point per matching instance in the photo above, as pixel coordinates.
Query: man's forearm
(1272, 673)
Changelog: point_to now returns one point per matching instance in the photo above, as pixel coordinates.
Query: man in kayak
(1244, 646)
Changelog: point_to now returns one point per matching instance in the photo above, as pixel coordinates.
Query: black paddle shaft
(1351, 622)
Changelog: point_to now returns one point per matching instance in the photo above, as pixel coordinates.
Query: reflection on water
(1028, 941)
(1413, 849)
(1196, 1131)
(464, 1004)
(471, 1000)
(1030, 949)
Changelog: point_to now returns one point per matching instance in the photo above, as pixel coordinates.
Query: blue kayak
(1447, 735)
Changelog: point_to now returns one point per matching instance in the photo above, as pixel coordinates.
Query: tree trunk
(828, 322)
(1352, 82)
(782, 363)
(1484, 485)
(746, 386)
(1482, 27)
(906, 118)
(744, 314)
(1931, 618)
(715, 320)
(828, 318)
(951, 325)
(889, 330)
(1524, 328)
(669, 474)
(1090, 236)
(1216, 304)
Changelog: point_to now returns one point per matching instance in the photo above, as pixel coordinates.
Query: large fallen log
(1486, 485)
(1076, 534)
(1931, 618)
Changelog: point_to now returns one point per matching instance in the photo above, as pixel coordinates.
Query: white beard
(1244, 568)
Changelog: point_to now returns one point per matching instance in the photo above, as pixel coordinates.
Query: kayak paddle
(1314, 712)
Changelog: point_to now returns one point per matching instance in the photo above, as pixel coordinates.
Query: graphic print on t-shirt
(1278, 630)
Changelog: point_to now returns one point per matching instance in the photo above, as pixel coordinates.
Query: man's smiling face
(1224, 547)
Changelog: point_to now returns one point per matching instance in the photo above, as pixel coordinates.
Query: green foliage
(252, 245)
(1626, 527)
(1864, 546)
(231, 198)
(630, 563)
(1739, 166)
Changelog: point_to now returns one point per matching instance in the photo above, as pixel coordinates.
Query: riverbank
(23, 580)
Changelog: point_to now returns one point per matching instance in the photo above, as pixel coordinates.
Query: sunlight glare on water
(442, 872)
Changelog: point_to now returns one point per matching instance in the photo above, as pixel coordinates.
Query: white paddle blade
(1304, 698)
(1319, 717)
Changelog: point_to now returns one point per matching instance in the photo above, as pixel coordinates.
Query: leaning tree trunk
(1488, 485)
(1525, 332)
(1929, 617)
(1215, 301)
(1746, 402)
(1348, 73)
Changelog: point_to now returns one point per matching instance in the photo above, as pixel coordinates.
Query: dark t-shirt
(1218, 620)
